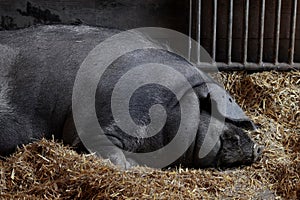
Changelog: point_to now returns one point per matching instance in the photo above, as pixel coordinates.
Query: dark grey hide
(38, 69)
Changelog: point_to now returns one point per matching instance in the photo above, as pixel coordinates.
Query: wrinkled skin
(38, 69)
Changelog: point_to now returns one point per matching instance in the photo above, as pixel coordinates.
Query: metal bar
(246, 31)
(190, 29)
(199, 32)
(214, 44)
(293, 32)
(230, 22)
(207, 67)
(262, 29)
(277, 32)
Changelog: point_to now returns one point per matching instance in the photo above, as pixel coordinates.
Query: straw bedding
(48, 170)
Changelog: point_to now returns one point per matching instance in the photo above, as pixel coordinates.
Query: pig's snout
(257, 151)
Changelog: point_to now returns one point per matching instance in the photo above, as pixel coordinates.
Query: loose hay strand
(49, 170)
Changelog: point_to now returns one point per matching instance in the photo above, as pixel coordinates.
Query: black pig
(38, 66)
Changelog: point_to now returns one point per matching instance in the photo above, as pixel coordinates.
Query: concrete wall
(123, 14)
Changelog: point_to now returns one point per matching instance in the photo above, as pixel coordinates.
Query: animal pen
(240, 35)
(248, 34)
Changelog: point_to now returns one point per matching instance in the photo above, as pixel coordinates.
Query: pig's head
(236, 148)
(233, 148)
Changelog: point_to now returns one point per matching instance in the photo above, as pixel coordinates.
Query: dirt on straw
(49, 170)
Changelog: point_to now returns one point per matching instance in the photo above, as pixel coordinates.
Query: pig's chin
(228, 159)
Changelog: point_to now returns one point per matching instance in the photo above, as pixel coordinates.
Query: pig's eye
(236, 138)
(226, 135)
(230, 136)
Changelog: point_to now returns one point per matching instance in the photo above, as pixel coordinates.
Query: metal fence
(247, 34)
(238, 34)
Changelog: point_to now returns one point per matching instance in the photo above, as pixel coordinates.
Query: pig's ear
(224, 104)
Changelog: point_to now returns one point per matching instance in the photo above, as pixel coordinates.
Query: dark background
(123, 14)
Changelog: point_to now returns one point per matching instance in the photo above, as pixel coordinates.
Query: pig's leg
(15, 130)
(109, 151)
(69, 134)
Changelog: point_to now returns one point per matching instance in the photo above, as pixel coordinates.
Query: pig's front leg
(107, 151)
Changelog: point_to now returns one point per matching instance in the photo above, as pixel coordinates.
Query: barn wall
(123, 14)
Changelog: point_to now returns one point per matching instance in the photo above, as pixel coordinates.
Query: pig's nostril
(260, 149)
(257, 151)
